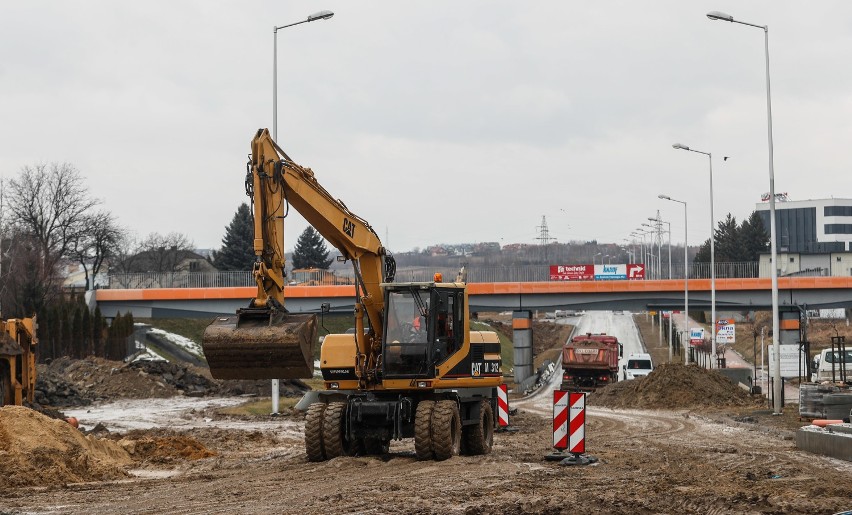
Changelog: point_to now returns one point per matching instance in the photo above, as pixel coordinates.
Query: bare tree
(47, 207)
(97, 241)
(162, 253)
(26, 285)
(50, 202)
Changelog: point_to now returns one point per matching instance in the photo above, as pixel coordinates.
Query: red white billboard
(572, 272)
(635, 271)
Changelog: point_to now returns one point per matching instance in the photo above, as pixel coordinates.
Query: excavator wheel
(313, 431)
(423, 430)
(333, 438)
(479, 439)
(446, 430)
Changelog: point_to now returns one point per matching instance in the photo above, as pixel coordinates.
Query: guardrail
(475, 274)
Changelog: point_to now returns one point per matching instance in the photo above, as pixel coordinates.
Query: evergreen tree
(310, 251)
(237, 251)
(728, 244)
(754, 237)
(703, 254)
(78, 346)
(98, 332)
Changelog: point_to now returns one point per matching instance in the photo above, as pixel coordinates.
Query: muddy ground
(679, 455)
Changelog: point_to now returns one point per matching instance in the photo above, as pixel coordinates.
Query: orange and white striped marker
(503, 405)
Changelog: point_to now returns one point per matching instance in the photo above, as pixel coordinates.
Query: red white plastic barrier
(577, 423)
(560, 419)
(503, 405)
(569, 421)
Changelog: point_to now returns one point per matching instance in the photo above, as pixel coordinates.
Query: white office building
(813, 237)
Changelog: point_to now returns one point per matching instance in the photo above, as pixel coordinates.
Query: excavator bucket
(265, 346)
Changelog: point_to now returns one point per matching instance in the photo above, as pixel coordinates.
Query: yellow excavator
(412, 369)
(18, 343)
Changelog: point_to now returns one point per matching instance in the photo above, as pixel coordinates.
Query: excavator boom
(263, 340)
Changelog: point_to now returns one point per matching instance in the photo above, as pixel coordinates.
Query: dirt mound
(165, 449)
(36, 450)
(78, 382)
(672, 386)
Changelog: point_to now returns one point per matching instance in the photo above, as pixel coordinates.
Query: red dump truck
(590, 361)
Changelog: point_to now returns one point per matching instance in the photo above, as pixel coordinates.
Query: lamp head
(320, 15)
(718, 15)
(680, 146)
(664, 197)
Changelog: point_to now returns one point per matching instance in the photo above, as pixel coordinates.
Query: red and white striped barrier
(569, 421)
(560, 419)
(503, 405)
(577, 423)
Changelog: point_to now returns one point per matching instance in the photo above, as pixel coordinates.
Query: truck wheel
(446, 430)
(333, 438)
(479, 439)
(313, 432)
(423, 430)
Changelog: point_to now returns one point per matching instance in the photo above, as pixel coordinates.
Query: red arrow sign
(635, 271)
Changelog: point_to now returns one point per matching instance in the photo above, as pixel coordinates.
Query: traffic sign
(696, 335)
(726, 331)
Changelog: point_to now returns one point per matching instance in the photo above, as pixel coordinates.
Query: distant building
(813, 237)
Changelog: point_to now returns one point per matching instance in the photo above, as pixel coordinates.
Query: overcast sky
(439, 121)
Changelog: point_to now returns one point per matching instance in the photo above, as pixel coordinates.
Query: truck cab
(637, 365)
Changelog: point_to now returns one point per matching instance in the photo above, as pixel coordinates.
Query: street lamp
(596, 255)
(679, 146)
(320, 15)
(776, 344)
(685, 269)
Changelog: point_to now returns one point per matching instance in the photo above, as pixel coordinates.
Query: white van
(637, 365)
(824, 361)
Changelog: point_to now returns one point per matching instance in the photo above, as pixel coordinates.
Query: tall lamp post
(685, 269)
(776, 343)
(679, 146)
(321, 15)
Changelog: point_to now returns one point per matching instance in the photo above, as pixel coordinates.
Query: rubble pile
(673, 386)
(66, 382)
(40, 451)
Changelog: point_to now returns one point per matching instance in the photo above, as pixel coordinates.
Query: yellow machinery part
(279, 346)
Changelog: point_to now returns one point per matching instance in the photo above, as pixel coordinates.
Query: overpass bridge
(637, 295)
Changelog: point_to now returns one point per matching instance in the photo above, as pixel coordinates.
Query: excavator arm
(275, 184)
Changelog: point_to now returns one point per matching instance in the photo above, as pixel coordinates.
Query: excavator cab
(420, 330)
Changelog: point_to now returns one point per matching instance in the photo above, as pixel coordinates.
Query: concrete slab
(833, 441)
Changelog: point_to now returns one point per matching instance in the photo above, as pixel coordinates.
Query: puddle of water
(153, 474)
(174, 412)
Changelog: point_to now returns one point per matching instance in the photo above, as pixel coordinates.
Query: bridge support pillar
(789, 324)
(522, 337)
